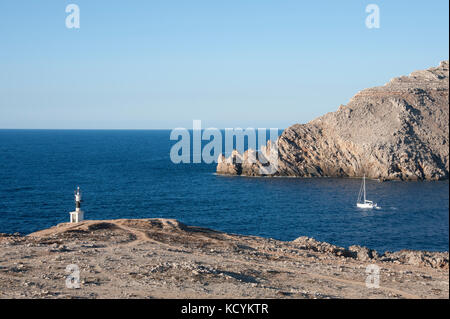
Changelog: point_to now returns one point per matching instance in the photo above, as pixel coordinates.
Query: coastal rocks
(355, 252)
(398, 131)
(231, 165)
(363, 253)
(251, 163)
(322, 247)
(437, 260)
(11, 239)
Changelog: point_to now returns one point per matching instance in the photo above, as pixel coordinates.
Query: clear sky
(161, 64)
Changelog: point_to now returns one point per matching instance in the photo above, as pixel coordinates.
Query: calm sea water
(128, 174)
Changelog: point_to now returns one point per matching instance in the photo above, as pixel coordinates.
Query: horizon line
(123, 129)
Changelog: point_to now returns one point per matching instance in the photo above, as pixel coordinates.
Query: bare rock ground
(161, 258)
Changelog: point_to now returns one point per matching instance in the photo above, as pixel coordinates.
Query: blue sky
(162, 64)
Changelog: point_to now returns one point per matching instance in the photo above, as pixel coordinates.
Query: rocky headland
(162, 258)
(398, 131)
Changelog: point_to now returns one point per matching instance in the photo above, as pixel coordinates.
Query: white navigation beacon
(78, 215)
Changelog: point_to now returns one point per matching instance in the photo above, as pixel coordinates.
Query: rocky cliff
(398, 131)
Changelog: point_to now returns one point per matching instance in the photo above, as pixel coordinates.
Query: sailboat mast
(364, 181)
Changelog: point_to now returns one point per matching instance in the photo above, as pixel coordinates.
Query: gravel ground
(161, 258)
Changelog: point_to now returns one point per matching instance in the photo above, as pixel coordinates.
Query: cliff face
(398, 131)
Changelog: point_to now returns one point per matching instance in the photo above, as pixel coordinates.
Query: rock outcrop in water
(398, 131)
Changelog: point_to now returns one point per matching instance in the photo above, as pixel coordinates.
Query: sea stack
(78, 215)
(398, 131)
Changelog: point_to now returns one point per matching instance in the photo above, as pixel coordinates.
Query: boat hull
(366, 205)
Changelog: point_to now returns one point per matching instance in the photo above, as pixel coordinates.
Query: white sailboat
(362, 201)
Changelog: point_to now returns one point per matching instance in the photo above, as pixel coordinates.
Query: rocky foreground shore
(398, 131)
(161, 258)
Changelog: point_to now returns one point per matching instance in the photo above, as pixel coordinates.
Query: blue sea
(128, 174)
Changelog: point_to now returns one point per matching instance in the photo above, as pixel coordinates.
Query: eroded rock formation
(398, 131)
